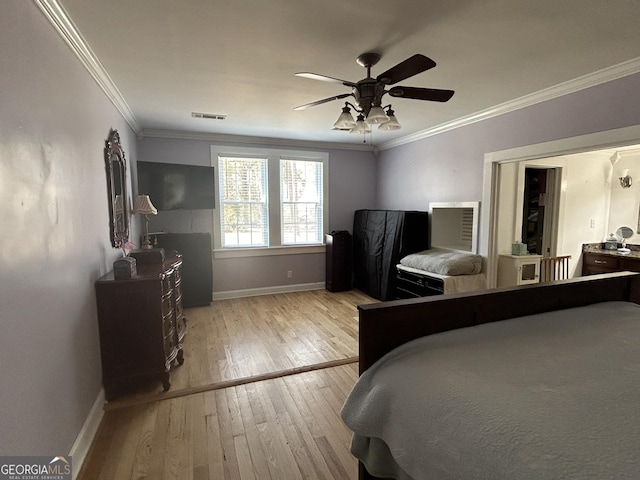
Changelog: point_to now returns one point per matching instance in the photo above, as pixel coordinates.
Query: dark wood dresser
(142, 324)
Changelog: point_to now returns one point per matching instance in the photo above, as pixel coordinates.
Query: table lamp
(143, 206)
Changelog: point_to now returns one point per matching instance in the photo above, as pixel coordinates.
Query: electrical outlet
(289, 274)
(592, 223)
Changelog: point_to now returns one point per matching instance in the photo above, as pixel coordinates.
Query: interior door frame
(491, 178)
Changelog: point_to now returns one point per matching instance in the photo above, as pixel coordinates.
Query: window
(269, 198)
(301, 201)
(243, 201)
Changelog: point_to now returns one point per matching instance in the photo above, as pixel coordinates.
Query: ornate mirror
(117, 189)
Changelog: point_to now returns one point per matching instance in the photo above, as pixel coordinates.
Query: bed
(438, 270)
(480, 360)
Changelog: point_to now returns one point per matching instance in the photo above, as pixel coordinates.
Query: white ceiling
(237, 58)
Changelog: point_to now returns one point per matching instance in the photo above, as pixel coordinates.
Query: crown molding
(621, 70)
(58, 17)
(232, 139)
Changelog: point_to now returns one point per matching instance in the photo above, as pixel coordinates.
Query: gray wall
(54, 240)
(352, 183)
(449, 166)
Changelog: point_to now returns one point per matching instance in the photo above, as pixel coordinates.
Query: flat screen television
(173, 186)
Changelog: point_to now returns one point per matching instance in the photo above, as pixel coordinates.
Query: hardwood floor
(258, 397)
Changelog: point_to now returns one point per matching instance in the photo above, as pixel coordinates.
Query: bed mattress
(418, 283)
(548, 396)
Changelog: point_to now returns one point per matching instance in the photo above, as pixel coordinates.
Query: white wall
(54, 241)
(586, 188)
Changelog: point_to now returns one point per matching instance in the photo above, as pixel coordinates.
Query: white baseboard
(254, 292)
(80, 447)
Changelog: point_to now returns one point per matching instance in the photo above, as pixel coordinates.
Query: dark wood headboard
(384, 326)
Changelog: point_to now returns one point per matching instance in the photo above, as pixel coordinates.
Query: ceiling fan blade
(324, 100)
(432, 94)
(324, 78)
(410, 67)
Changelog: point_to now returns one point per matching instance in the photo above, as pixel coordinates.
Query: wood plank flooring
(258, 397)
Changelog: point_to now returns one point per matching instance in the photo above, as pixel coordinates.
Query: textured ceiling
(237, 58)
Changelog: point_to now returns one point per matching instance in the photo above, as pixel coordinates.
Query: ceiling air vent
(212, 116)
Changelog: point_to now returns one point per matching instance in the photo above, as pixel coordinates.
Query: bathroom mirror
(117, 189)
(624, 233)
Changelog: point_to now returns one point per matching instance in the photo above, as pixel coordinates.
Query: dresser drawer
(179, 307)
(168, 323)
(167, 305)
(630, 263)
(601, 261)
(593, 263)
(167, 282)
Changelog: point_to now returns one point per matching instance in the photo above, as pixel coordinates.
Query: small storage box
(519, 249)
(124, 268)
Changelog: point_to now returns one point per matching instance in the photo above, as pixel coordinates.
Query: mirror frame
(116, 167)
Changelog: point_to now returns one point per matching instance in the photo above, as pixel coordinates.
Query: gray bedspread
(552, 396)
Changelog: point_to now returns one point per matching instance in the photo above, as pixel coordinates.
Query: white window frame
(273, 156)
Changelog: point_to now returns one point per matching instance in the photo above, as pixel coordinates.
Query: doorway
(492, 229)
(539, 212)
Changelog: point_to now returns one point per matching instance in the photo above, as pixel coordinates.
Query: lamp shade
(361, 126)
(345, 120)
(391, 124)
(376, 115)
(144, 206)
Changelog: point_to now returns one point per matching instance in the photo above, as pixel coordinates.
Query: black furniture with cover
(380, 239)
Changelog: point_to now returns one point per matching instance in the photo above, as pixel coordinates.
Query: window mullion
(273, 165)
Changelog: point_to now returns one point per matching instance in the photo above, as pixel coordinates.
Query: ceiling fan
(369, 91)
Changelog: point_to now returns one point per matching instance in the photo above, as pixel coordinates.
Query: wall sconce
(143, 206)
(625, 179)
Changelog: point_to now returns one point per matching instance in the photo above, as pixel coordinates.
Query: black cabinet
(197, 268)
(380, 239)
(339, 261)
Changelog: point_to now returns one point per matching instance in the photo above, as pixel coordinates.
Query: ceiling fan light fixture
(392, 123)
(368, 93)
(376, 116)
(361, 126)
(345, 120)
